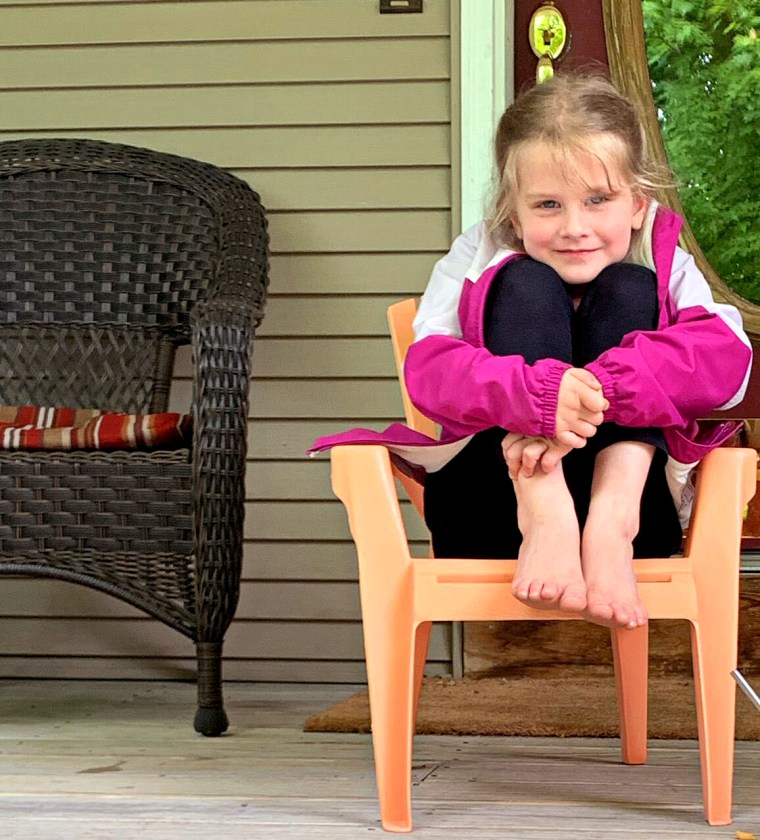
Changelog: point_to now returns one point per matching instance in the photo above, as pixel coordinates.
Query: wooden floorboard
(120, 760)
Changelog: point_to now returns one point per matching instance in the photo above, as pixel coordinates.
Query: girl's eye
(548, 204)
(598, 199)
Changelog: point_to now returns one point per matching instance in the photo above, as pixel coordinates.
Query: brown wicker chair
(112, 256)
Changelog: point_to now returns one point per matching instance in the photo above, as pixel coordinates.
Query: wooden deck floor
(119, 760)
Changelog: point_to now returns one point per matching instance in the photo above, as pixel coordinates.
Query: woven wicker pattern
(112, 256)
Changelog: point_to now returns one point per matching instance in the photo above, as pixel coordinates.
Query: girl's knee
(626, 281)
(621, 299)
(529, 313)
(528, 280)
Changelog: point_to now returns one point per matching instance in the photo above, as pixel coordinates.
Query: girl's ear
(640, 207)
(516, 226)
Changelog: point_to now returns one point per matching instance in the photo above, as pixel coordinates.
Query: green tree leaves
(704, 61)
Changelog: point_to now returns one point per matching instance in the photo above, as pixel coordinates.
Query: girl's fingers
(531, 455)
(512, 452)
(571, 439)
(513, 456)
(552, 457)
(592, 399)
(583, 429)
(522, 454)
(509, 439)
(586, 377)
(596, 418)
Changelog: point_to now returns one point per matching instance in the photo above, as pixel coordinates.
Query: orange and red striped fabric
(34, 427)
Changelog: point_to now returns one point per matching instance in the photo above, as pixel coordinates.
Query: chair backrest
(106, 249)
(400, 319)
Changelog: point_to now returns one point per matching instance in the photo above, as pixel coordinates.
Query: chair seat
(37, 427)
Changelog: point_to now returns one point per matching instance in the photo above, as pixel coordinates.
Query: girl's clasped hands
(580, 409)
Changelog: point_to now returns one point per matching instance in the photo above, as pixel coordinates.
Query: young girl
(570, 346)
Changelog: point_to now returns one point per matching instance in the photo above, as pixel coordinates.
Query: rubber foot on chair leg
(211, 722)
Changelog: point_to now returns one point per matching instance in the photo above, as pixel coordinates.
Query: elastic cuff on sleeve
(608, 388)
(553, 373)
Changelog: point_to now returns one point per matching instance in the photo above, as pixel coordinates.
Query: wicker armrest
(222, 335)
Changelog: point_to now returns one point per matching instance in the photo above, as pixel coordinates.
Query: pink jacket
(698, 360)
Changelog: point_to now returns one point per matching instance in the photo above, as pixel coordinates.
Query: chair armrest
(222, 338)
(243, 271)
(222, 341)
(726, 482)
(727, 478)
(362, 478)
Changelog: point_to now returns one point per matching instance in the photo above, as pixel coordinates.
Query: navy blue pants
(470, 504)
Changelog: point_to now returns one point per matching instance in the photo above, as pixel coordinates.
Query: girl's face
(577, 225)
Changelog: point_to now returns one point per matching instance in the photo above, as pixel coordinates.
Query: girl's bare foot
(611, 591)
(607, 548)
(548, 574)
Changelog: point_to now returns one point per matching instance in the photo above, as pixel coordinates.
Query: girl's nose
(573, 222)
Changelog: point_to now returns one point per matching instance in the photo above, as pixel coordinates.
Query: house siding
(341, 119)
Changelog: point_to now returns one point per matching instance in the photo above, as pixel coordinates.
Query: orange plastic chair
(401, 595)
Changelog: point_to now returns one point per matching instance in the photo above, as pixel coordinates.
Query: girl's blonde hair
(573, 115)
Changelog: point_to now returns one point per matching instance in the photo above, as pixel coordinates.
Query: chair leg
(420, 657)
(714, 653)
(210, 718)
(630, 654)
(391, 677)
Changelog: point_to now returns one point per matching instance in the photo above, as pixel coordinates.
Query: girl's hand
(580, 407)
(522, 453)
(525, 454)
(555, 452)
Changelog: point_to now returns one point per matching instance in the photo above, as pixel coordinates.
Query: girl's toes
(621, 615)
(536, 588)
(549, 591)
(573, 599)
(642, 617)
(600, 612)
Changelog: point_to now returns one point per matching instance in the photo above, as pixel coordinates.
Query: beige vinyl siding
(341, 119)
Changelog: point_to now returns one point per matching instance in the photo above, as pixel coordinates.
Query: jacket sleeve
(465, 388)
(673, 376)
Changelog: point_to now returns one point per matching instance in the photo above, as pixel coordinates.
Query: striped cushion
(32, 427)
